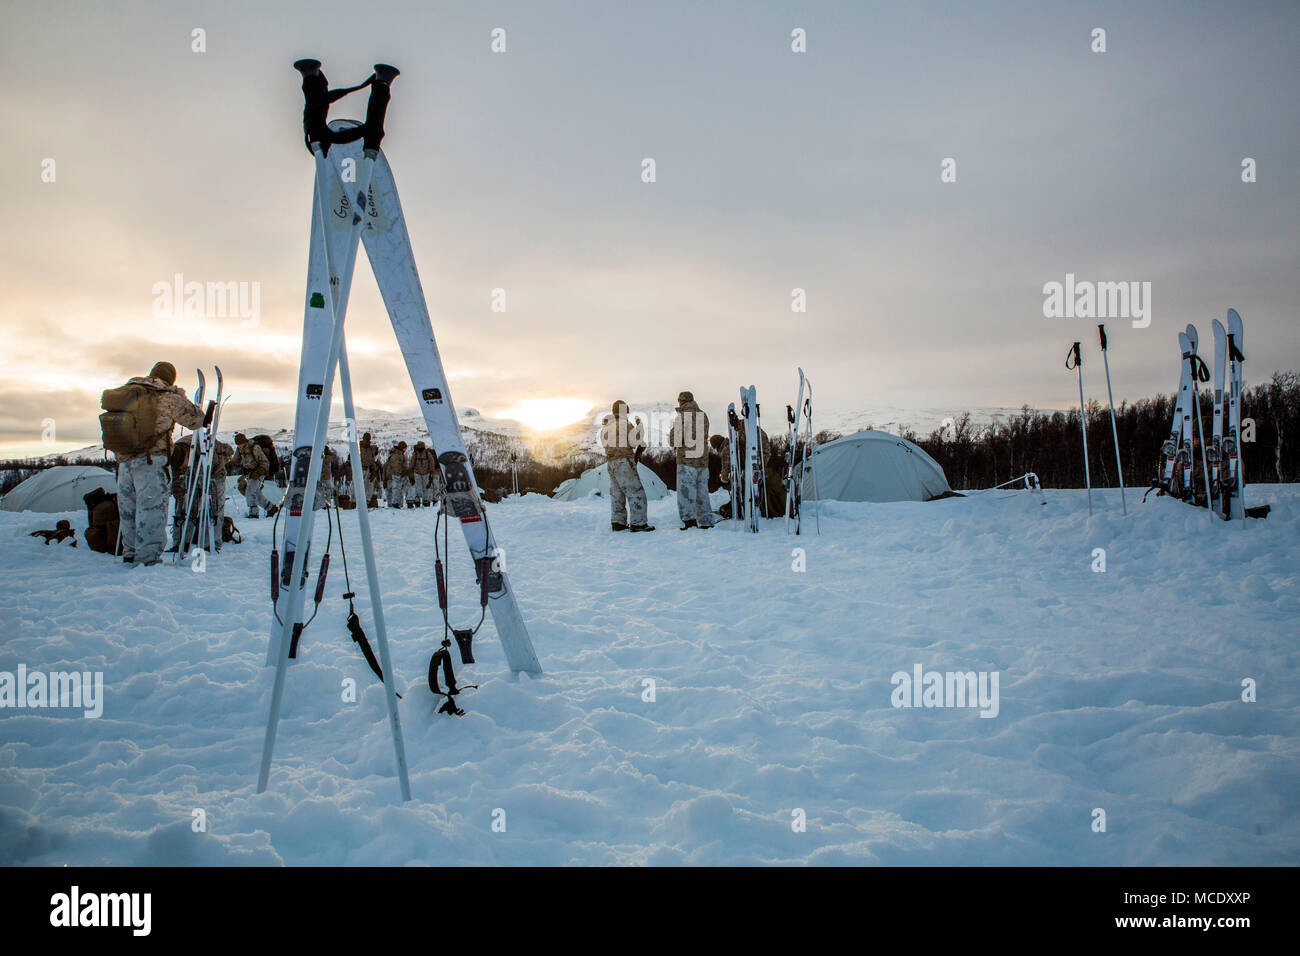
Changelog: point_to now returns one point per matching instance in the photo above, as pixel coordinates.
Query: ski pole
(1114, 430)
(1074, 356)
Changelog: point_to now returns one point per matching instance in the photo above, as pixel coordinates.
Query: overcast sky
(776, 170)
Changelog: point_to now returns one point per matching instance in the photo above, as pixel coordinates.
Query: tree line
(973, 456)
(1050, 444)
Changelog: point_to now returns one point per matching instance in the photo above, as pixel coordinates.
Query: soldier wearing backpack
(426, 478)
(395, 474)
(252, 461)
(137, 425)
(370, 471)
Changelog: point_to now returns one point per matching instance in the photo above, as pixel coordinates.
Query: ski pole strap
(1233, 351)
(337, 94)
(1101, 329)
(1072, 358)
(359, 637)
(1200, 370)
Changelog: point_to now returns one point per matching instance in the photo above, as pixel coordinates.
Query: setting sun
(547, 414)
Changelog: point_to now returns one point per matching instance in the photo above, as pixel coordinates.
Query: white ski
(1232, 442)
(1216, 429)
(753, 462)
(388, 248)
(793, 415)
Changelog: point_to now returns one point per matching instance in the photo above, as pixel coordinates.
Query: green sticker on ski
(317, 301)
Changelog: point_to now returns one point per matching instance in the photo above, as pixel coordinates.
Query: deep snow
(1118, 690)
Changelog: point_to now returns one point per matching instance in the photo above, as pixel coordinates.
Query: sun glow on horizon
(547, 414)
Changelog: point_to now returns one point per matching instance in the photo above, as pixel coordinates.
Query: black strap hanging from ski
(354, 621)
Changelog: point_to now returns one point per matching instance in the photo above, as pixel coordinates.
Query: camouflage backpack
(130, 419)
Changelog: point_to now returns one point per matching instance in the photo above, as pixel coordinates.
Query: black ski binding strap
(461, 497)
(442, 658)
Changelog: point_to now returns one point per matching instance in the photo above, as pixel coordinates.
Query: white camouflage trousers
(627, 502)
(397, 489)
(216, 509)
(693, 495)
(143, 494)
(255, 498)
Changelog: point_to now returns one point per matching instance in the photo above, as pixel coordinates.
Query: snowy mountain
(583, 437)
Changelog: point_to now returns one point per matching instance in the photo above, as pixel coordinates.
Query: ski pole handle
(1072, 358)
(1101, 329)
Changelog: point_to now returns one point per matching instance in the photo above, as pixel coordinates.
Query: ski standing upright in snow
(753, 460)
(1200, 373)
(356, 200)
(183, 532)
(1216, 427)
(737, 475)
(1236, 340)
(793, 414)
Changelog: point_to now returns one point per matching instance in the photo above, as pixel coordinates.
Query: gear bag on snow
(130, 419)
(101, 513)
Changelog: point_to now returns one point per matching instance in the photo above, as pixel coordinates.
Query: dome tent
(874, 466)
(595, 481)
(58, 489)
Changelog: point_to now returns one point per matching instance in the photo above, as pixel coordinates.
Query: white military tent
(595, 481)
(58, 489)
(874, 466)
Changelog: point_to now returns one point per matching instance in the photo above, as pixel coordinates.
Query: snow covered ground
(1118, 690)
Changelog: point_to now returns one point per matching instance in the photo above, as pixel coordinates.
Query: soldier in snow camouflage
(142, 488)
(623, 441)
(689, 436)
(426, 478)
(254, 464)
(396, 475)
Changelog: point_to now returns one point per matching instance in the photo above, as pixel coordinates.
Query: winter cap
(240, 438)
(684, 397)
(164, 372)
(716, 441)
